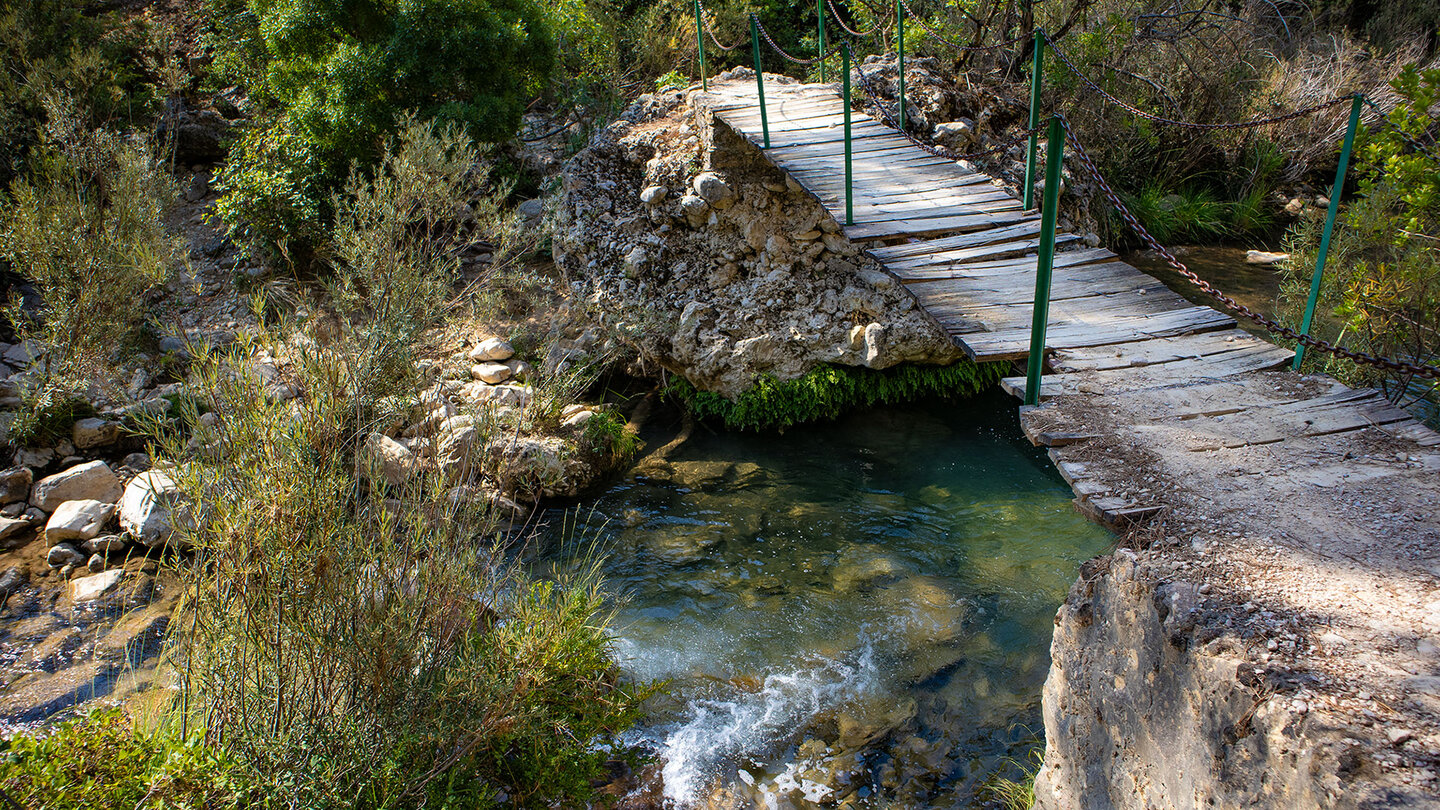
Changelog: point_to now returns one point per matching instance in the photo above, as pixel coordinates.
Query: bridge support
(1044, 266)
(820, 34)
(1335, 192)
(759, 77)
(700, 43)
(900, 49)
(849, 171)
(1035, 68)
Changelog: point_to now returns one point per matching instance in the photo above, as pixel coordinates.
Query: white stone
(93, 587)
(78, 520)
(383, 458)
(152, 508)
(577, 419)
(1263, 257)
(63, 554)
(12, 527)
(712, 189)
(653, 195)
(92, 481)
(492, 349)
(491, 372)
(107, 544)
(94, 432)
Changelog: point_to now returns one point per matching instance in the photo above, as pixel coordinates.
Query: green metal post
(849, 175)
(900, 46)
(1035, 69)
(1335, 192)
(820, 32)
(700, 41)
(759, 77)
(1054, 155)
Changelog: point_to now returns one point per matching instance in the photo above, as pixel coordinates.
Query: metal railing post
(759, 77)
(900, 47)
(1035, 69)
(700, 41)
(1335, 192)
(849, 174)
(820, 33)
(1045, 261)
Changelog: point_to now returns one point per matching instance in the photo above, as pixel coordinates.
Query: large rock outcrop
(683, 237)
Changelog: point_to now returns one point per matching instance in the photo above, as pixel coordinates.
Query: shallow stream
(857, 611)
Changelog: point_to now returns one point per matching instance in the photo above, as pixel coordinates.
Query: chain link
(705, 21)
(847, 29)
(1078, 149)
(1133, 110)
(771, 42)
(936, 150)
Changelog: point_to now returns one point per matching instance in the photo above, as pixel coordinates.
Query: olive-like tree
(337, 77)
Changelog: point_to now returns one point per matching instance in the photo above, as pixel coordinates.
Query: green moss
(828, 391)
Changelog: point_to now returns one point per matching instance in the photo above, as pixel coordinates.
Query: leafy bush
(827, 391)
(54, 46)
(353, 639)
(86, 229)
(102, 761)
(338, 79)
(1382, 276)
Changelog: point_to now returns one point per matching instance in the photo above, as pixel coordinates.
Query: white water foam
(719, 733)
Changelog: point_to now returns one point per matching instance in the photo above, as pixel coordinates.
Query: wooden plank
(1152, 352)
(919, 271)
(925, 226)
(1177, 373)
(1029, 226)
(908, 204)
(966, 264)
(1014, 343)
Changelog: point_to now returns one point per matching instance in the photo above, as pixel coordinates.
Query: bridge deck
(965, 248)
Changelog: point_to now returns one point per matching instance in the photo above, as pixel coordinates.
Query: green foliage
(1382, 277)
(49, 47)
(48, 419)
(336, 80)
(1015, 794)
(102, 761)
(86, 229)
(671, 81)
(828, 391)
(607, 432)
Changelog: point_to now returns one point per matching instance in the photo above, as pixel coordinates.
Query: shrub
(338, 79)
(827, 391)
(86, 229)
(1382, 277)
(354, 639)
(102, 760)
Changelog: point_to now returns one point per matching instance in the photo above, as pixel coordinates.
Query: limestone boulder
(384, 459)
(78, 520)
(492, 349)
(153, 508)
(94, 432)
(88, 589)
(15, 484)
(92, 481)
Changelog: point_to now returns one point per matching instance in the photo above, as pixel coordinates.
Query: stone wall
(715, 265)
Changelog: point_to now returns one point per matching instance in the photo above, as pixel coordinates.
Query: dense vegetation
(351, 641)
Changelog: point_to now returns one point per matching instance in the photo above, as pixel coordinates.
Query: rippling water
(858, 611)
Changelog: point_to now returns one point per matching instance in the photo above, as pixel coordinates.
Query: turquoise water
(856, 612)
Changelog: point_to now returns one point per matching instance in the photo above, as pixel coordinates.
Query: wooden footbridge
(967, 250)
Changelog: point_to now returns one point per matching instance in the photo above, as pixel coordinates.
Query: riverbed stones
(492, 349)
(153, 508)
(491, 372)
(78, 520)
(63, 554)
(88, 434)
(88, 589)
(385, 459)
(652, 195)
(90, 481)
(861, 568)
(15, 484)
(13, 528)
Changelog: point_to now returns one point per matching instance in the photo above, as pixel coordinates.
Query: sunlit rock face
(685, 239)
